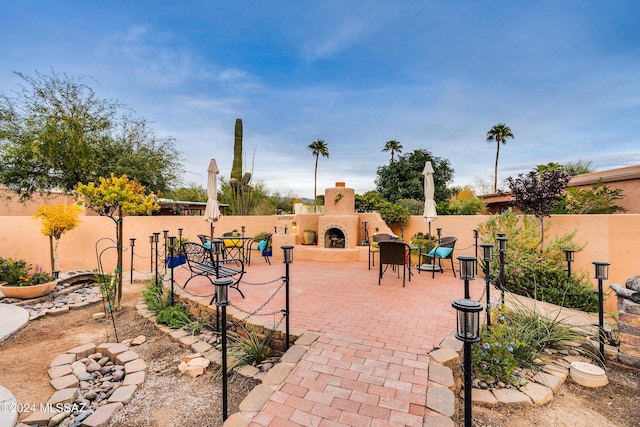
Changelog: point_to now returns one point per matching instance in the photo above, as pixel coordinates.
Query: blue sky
(434, 75)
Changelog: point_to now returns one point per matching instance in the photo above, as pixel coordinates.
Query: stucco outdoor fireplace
(338, 226)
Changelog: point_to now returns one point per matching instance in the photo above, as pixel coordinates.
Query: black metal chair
(263, 246)
(396, 254)
(374, 248)
(444, 250)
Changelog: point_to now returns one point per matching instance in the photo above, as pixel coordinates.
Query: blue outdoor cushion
(207, 245)
(441, 252)
(262, 245)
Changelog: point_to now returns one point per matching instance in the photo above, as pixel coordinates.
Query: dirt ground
(616, 404)
(168, 398)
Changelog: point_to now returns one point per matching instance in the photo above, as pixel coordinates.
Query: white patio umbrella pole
(430, 213)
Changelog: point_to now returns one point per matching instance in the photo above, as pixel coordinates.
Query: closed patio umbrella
(430, 213)
(212, 211)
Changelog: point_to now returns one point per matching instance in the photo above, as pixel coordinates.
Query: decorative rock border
(445, 380)
(92, 383)
(63, 299)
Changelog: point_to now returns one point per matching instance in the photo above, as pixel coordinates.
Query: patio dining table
(236, 247)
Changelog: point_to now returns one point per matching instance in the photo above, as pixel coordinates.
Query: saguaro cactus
(239, 182)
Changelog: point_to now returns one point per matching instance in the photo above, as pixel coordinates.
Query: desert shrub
(516, 339)
(174, 316)
(248, 347)
(535, 269)
(155, 298)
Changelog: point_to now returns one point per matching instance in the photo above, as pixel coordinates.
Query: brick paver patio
(369, 367)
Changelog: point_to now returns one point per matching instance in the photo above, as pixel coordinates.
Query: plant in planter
(178, 257)
(23, 281)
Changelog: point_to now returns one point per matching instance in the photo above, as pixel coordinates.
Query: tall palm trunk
(315, 186)
(495, 174)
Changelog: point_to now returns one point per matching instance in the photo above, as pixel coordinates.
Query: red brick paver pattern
(370, 365)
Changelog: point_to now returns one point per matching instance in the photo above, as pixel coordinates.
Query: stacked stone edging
(629, 330)
(92, 384)
(445, 380)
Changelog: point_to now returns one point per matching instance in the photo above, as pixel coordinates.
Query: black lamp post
(151, 253)
(602, 273)
(467, 266)
(222, 301)
(467, 331)
(568, 253)
(132, 243)
(487, 252)
(402, 233)
(287, 259)
(156, 239)
(165, 235)
(475, 238)
(242, 228)
(439, 232)
(172, 241)
(502, 249)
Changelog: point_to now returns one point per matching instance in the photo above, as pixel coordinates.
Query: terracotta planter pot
(309, 237)
(28, 292)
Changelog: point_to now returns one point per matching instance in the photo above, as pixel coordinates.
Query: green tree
(191, 193)
(403, 178)
(393, 146)
(499, 133)
(114, 197)
(599, 199)
(318, 148)
(56, 132)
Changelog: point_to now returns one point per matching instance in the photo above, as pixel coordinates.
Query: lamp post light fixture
(132, 243)
(502, 249)
(467, 331)
(180, 235)
(602, 273)
(242, 228)
(222, 301)
(439, 232)
(487, 253)
(467, 267)
(402, 233)
(568, 253)
(287, 259)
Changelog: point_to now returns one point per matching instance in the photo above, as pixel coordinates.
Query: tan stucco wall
(612, 238)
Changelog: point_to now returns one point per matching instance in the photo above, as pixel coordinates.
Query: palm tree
(499, 133)
(317, 147)
(393, 146)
